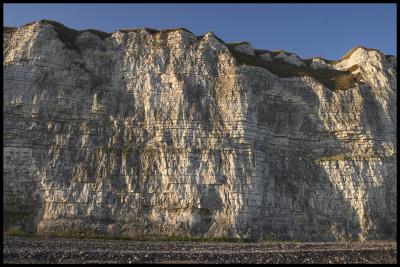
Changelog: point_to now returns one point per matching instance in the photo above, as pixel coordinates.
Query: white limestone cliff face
(166, 134)
(373, 64)
(266, 56)
(318, 63)
(292, 58)
(245, 48)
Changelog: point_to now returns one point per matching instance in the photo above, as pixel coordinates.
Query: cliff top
(279, 62)
(69, 33)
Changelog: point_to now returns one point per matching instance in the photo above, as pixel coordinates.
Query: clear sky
(326, 30)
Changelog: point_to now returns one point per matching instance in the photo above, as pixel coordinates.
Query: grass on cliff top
(277, 52)
(233, 45)
(259, 52)
(332, 79)
(154, 31)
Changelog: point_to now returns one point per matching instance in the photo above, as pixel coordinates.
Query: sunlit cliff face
(161, 133)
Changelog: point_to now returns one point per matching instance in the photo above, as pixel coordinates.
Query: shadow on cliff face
(300, 200)
(380, 205)
(202, 218)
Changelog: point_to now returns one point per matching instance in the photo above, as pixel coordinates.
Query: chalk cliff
(145, 132)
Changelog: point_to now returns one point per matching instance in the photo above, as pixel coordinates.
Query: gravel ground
(63, 250)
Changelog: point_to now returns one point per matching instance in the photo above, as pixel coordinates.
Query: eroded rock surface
(164, 133)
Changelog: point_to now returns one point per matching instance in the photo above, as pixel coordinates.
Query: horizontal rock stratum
(161, 133)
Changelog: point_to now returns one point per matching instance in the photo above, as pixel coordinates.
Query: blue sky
(326, 30)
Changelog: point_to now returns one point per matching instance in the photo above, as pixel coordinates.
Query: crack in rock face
(144, 132)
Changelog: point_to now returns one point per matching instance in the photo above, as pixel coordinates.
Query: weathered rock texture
(167, 133)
